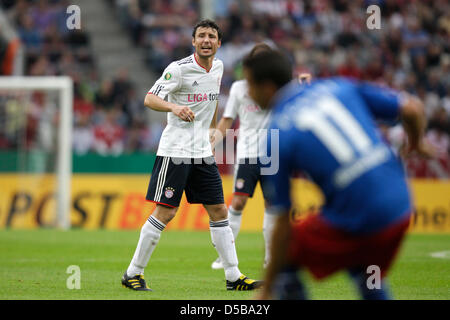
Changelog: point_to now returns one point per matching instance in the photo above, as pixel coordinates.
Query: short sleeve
(232, 106)
(169, 81)
(384, 103)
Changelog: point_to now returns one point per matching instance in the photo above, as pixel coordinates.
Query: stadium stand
(326, 38)
(105, 109)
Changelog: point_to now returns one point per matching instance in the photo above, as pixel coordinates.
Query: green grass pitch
(33, 265)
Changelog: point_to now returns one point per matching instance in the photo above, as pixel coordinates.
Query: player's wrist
(173, 107)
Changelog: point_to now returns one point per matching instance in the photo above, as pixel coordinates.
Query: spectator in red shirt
(109, 135)
(350, 67)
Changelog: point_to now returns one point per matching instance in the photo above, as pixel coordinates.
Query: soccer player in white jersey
(247, 171)
(185, 160)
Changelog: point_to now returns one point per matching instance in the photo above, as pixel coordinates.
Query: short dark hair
(207, 23)
(258, 48)
(269, 65)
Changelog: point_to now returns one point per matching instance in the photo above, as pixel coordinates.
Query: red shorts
(324, 249)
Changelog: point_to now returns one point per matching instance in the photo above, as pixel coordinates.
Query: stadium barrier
(132, 163)
(118, 202)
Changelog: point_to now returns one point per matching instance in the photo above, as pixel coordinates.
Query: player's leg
(288, 286)
(235, 212)
(367, 291)
(268, 221)
(205, 187)
(383, 247)
(149, 238)
(223, 240)
(246, 175)
(165, 188)
(245, 180)
(234, 217)
(239, 199)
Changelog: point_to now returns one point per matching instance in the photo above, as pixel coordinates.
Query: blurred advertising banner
(118, 202)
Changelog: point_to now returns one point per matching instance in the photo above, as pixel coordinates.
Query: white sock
(223, 240)
(235, 218)
(268, 223)
(150, 234)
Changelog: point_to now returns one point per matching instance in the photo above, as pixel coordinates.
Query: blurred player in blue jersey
(328, 131)
(252, 124)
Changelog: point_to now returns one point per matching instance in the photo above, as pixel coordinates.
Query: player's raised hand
(184, 113)
(423, 149)
(304, 78)
(413, 118)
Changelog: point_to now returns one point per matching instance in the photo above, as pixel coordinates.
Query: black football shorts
(198, 178)
(247, 173)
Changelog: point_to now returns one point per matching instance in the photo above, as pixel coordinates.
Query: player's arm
(169, 82)
(219, 133)
(158, 104)
(224, 124)
(214, 119)
(414, 122)
(228, 116)
(281, 235)
(391, 105)
(278, 188)
(213, 136)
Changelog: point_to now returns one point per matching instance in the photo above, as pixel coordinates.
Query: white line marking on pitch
(441, 254)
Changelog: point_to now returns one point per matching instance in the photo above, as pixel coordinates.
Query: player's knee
(238, 206)
(164, 214)
(217, 212)
(238, 202)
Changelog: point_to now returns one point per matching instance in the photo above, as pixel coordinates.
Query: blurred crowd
(409, 52)
(106, 110)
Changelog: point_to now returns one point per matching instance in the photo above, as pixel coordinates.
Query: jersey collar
(198, 63)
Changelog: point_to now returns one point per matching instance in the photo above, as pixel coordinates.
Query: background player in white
(252, 119)
(184, 159)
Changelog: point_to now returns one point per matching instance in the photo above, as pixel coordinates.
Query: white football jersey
(185, 82)
(252, 120)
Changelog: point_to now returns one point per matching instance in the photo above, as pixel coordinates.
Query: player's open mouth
(206, 51)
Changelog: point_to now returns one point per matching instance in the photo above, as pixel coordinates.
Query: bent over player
(367, 201)
(247, 169)
(184, 159)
